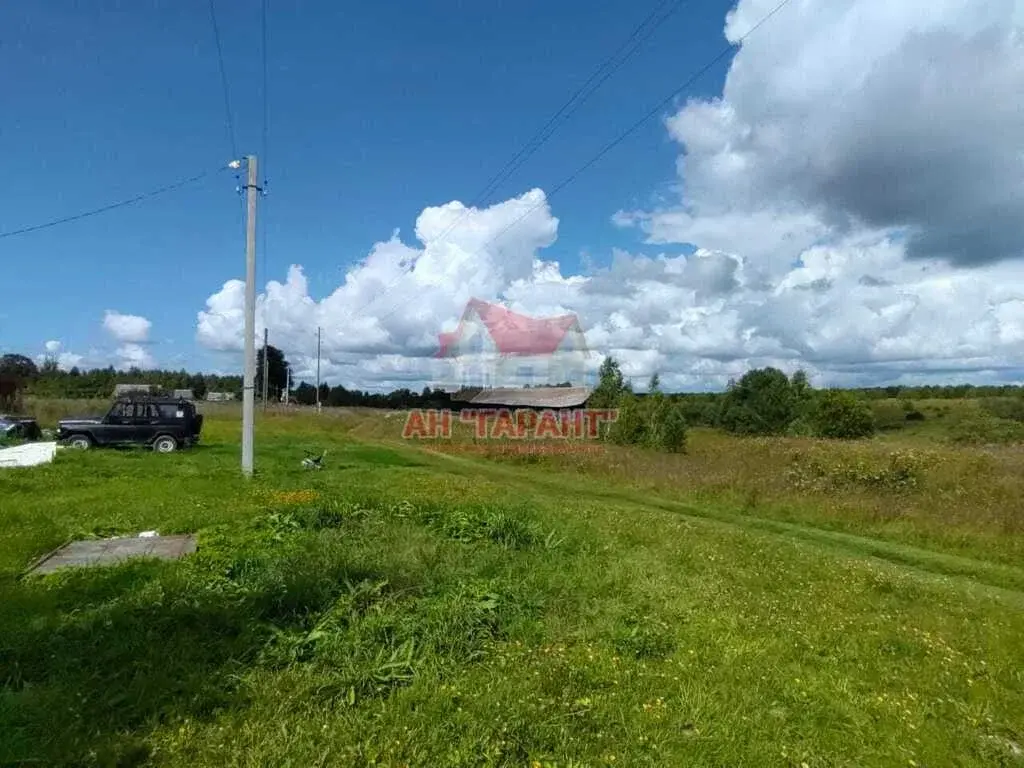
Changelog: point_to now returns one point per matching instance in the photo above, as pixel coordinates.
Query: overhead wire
(625, 134)
(224, 84)
(112, 206)
(266, 120)
(598, 77)
(608, 67)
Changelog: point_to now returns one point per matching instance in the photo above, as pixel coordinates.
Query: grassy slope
(409, 608)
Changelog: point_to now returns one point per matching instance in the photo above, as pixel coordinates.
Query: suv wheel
(80, 442)
(165, 444)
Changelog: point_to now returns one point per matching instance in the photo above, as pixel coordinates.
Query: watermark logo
(495, 347)
(506, 423)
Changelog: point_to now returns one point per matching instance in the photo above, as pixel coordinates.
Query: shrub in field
(888, 415)
(982, 428)
(698, 411)
(1010, 408)
(902, 471)
(764, 402)
(652, 422)
(842, 415)
(630, 427)
(800, 427)
(672, 434)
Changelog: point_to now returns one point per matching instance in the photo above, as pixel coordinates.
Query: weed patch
(644, 637)
(902, 472)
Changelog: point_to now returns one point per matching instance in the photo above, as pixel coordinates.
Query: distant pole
(318, 369)
(288, 386)
(266, 369)
(249, 381)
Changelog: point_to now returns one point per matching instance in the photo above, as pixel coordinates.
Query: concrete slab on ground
(110, 551)
(28, 455)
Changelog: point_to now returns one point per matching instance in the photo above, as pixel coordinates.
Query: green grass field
(783, 602)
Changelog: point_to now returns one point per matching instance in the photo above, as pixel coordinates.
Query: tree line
(762, 401)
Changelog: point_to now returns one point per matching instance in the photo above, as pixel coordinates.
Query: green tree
(672, 434)
(842, 415)
(305, 394)
(762, 402)
(18, 367)
(197, 384)
(611, 386)
(277, 371)
(654, 421)
(801, 387)
(630, 426)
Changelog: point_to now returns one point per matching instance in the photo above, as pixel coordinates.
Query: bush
(889, 415)
(698, 412)
(841, 415)
(1010, 408)
(800, 427)
(982, 428)
(764, 402)
(672, 435)
(650, 422)
(630, 427)
(903, 471)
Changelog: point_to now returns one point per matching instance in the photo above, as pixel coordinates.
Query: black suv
(162, 423)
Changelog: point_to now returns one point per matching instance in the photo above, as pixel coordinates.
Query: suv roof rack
(151, 397)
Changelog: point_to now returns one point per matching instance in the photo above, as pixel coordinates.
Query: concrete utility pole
(266, 369)
(287, 396)
(318, 369)
(249, 381)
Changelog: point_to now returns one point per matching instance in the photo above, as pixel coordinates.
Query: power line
(637, 37)
(621, 137)
(639, 123)
(598, 77)
(263, 53)
(111, 206)
(224, 84)
(266, 112)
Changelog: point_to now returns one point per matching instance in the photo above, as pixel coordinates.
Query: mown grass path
(973, 572)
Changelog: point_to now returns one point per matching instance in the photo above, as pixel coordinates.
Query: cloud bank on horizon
(853, 197)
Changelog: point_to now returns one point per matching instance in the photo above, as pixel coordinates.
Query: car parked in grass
(164, 424)
(19, 428)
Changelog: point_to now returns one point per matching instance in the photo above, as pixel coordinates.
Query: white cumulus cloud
(129, 329)
(846, 114)
(134, 356)
(850, 204)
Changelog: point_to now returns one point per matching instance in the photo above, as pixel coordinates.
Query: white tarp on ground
(28, 455)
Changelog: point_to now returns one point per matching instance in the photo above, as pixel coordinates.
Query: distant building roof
(511, 332)
(119, 388)
(531, 397)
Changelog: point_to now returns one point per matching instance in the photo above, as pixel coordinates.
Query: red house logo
(493, 346)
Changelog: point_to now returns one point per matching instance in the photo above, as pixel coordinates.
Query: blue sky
(376, 111)
(815, 200)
